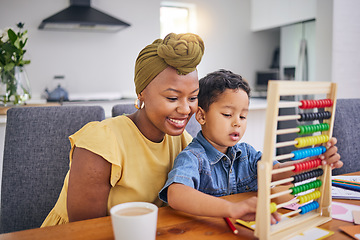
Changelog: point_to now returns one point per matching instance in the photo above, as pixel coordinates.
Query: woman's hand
(331, 156)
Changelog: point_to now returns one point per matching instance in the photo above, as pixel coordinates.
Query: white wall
(346, 48)
(104, 62)
(91, 62)
(338, 45)
(229, 42)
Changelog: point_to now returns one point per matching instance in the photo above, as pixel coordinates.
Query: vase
(14, 86)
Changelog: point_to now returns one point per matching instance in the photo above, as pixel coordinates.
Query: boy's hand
(331, 156)
(246, 210)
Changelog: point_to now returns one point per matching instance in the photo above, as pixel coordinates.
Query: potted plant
(14, 85)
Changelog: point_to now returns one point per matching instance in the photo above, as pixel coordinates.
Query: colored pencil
(346, 186)
(346, 181)
(231, 226)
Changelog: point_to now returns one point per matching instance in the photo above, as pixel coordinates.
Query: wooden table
(172, 225)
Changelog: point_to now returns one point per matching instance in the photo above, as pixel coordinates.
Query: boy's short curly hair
(215, 83)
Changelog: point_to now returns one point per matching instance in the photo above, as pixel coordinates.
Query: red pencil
(231, 226)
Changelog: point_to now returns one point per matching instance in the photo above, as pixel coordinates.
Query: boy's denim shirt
(206, 169)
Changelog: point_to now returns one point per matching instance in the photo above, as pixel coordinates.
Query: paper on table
(343, 211)
(341, 193)
(314, 233)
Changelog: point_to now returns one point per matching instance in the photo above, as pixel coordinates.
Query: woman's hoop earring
(137, 104)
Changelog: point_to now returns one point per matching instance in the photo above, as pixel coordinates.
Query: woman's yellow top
(139, 167)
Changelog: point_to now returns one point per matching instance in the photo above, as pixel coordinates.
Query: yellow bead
(273, 207)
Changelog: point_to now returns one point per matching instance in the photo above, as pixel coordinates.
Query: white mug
(134, 221)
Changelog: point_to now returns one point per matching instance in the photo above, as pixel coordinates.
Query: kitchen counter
(258, 103)
(106, 104)
(3, 109)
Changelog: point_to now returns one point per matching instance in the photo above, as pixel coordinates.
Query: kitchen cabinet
(268, 14)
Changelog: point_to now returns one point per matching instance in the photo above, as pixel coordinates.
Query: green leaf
(9, 66)
(22, 44)
(2, 59)
(12, 36)
(17, 43)
(8, 48)
(23, 62)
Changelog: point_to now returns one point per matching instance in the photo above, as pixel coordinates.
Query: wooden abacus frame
(299, 223)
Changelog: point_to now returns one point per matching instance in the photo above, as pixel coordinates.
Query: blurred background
(259, 39)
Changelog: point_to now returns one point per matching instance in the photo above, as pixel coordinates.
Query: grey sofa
(347, 132)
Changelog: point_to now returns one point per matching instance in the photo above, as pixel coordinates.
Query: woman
(127, 158)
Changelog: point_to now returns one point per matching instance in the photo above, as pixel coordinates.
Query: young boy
(215, 163)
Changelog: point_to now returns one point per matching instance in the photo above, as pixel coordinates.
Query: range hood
(80, 16)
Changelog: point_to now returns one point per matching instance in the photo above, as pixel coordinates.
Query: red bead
(311, 163)
(306, 165)
(307, 104)
(302, 106)
(312, 103)
(330, 102)
(296, 169)
(320, 103)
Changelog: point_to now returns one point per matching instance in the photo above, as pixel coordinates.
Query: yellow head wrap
(180, 51)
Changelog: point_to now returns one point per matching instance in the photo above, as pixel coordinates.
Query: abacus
(317, 204)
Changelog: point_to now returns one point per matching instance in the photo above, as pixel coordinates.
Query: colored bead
(309, 152)
(322, 103)
(304, 187)
(311, 140)
(314, 116)
(309, 207)
(273, 207)
(307, 129)
(307, 175)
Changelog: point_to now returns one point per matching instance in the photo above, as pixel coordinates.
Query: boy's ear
(200, 116)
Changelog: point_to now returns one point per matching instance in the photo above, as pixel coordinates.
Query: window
(177, 18)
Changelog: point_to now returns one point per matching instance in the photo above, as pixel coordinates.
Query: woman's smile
(178, 122)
